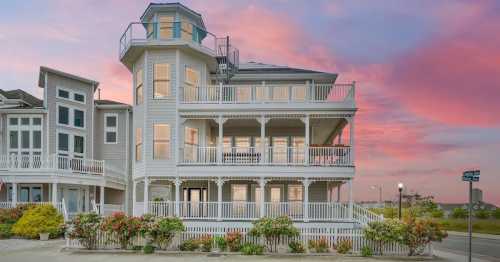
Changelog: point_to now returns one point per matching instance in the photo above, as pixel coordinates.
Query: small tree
(273, 229)
(121, 228)
(161, 231)
(382, 232)
(459, 213)
(482, 214)
(496, 213)
(85, 228)
(418, 233)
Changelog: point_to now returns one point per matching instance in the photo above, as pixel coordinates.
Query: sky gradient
(427, 72)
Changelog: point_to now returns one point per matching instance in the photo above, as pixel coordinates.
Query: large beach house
(206, 138)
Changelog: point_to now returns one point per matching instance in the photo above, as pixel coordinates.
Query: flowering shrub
(161, 231)
(274, 229)
(39, 219)
(189, 245)
(206, 243)
(296, 247)
(122, 228)
(418, 233)
(344, 246)
(85, 228)
(382, 232)
(233, 241)
(11, 215)
(319, 246)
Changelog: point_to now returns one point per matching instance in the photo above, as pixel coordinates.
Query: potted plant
(44, 236)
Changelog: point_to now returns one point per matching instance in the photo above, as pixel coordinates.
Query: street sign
(471, 176)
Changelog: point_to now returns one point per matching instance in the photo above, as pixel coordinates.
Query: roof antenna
(98, 94)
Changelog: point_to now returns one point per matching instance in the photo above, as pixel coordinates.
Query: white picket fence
(332, 235)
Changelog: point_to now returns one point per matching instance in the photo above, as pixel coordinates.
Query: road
(482, 248)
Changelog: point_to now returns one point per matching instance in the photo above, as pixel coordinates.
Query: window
(63, 141)
(25, 139)
(37, 139)
(14, 139)
(63, 115)
(63, 93)
(190, 143)
(78, 118)
(78, 145)
(138, 87)
(166, 26)
(294, 193)
(161, 142)
(110, 128)
(238, 193)
(37, 121)
(161, 80)
(79, 97)
(138, 144)
(25, 121)
(13, 121)
(192, 80)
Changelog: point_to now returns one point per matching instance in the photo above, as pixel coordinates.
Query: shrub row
(28, 221)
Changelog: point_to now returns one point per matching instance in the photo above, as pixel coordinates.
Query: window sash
(78, 144)
(138, 144)
(63, 142)
(63, 115)
(161, 141)
(139, 97)
(78, 118)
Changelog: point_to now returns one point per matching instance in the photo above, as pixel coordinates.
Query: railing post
(220, 121)
(306, 182)
(177, 183)
(101, 200)
(220, 183)
(54, 193)
(262, 185)
(263, 122)
(220, 93)
(307, 139)
(351, 140)
(350, 200)
(14, 194)
(146, 195)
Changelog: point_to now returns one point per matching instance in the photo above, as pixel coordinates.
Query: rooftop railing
(143, 33)
(268, 93)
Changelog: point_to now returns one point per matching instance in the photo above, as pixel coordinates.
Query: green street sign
(471, 176)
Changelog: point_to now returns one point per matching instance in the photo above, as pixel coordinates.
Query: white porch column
(351, 138)
(306, 139)
(220, 144)
(350, 199)
(14, 194)
(263, 121)
(146, 195)
(338, 192)
(101, 200)
(54, 194)
(306, 182)
(177, 183)
(134, 197)
(220, 183)
(262, 186)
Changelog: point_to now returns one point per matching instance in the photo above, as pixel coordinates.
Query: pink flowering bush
(121, 228)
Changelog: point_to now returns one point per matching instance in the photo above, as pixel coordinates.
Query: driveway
(37, 251)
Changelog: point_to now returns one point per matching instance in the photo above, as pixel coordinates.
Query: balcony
(342, 94)
(52, 163)
(336, 156)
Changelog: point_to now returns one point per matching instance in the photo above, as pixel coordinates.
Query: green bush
(206, 243)
(148, 249)
(11, 215)
(438, 213)
(221, 242)
(121, 228)
(233, 241)
(459, 213)
(496, 213)
(274, 229)
(366, 251)
(5, 231)
(296, 247)
(161, 230)
(416, 233)
(382, 232)
(319, 246)
(85, 227)
(482, 214)
(189, 245)
(344, 246)
(252, 249)
(39, 219)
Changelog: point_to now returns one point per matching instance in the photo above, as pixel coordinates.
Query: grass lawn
(484, 226)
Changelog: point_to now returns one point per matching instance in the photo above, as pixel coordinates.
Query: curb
(476, 235)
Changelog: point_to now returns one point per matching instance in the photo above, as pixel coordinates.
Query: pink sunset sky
(427, 72)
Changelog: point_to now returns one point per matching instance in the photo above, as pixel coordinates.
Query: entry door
(72, 197)
(275, 198)
(195, 197)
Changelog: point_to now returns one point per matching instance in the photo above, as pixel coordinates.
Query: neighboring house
(67, 146)
(218, 140)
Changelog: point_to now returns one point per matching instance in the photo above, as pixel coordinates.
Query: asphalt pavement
(487, 249)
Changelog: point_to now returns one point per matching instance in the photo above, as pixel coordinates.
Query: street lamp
(400, 189)
(379, 193)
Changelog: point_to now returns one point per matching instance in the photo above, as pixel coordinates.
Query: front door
(72, 197)
(195, 198)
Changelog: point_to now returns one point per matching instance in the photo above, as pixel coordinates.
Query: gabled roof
(44, 69)
(19, 94)
(172, 6)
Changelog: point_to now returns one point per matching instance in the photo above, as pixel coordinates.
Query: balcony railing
(144, 33)
(309, 156)
(52, 162)
(241, 210)
(257, 94)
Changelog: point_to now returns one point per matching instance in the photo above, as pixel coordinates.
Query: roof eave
(44, 69)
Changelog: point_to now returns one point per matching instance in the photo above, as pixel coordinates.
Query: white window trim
(71, 116)
(71, 144)
(110, 129)
(169, 80)
(19, 128)
(169, 141)
(71, 95)
(9, 191)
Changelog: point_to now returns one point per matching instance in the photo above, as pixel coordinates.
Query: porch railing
(242, 210)
(52, 162)
(309, 156)
(60, 206)
(268, 93)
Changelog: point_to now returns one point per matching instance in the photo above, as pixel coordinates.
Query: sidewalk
(477, 235)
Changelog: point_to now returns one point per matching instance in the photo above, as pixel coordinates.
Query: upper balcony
(274, 96)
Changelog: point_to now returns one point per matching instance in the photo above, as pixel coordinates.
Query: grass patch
(484, 226)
